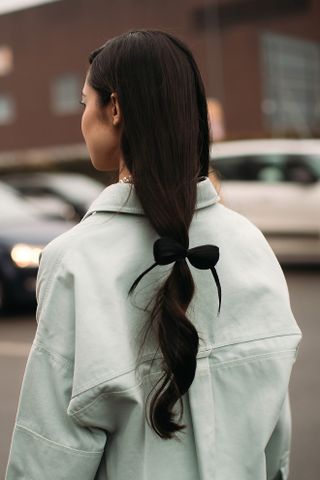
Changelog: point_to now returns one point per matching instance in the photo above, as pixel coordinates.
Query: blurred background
(260, 62)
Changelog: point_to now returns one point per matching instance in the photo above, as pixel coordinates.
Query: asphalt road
(17, 330)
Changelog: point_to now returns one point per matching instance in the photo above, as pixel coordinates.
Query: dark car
(58, 194)
(24, 232)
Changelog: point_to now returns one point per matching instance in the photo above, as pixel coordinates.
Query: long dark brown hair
(165, 145)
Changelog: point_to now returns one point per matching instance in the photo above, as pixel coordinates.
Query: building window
(65, 94)
(6, 60)
(7, 109)
(291, 84)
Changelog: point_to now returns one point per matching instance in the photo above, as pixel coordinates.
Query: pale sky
(7, 6)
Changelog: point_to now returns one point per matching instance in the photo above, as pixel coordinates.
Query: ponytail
(178, 341)
(165, 145)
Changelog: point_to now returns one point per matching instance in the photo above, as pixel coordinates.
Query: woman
(165, 337)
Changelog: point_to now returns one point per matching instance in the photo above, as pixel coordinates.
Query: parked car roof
(61, 194)
(76, 186)
(265, 146)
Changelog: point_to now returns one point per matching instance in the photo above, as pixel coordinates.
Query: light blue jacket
(81, 412)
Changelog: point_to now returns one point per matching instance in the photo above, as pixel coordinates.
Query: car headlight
(25, 255)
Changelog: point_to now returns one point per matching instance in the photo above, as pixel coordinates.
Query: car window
(250, 167)
(313, 161)
(298, 169)
(269, 168)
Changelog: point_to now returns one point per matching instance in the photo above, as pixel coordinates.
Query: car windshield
(269, 167)
(13, 207)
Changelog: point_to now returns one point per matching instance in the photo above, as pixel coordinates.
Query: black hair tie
(166, 250)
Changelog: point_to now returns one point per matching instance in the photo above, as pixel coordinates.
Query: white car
(275, 183)
(58, 194)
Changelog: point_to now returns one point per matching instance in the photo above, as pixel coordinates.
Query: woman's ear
(115, 109)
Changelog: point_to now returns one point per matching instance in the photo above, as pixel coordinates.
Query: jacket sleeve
(278, 448)
(47, 443)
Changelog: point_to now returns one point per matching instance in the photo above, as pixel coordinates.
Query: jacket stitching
(104, 394)
(239, 340)
(56, 444)
(109, 394)
(40, 346)
(227, 364)
(267, 356)
(74, 413)
(113, 375)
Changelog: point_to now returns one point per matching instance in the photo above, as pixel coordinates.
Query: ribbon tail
(137, 280)
(216, 278)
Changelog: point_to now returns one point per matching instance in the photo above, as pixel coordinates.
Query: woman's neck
(123, 171)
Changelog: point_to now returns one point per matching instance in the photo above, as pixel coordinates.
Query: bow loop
(166, 250)
(203, 256)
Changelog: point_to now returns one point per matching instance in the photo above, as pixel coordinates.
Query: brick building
(260, 59)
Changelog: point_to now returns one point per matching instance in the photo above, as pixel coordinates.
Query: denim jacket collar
(121, 197)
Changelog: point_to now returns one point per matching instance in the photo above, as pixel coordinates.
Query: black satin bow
(167, 250)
